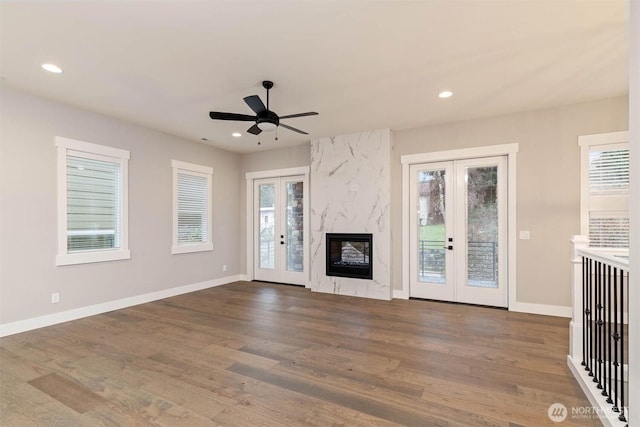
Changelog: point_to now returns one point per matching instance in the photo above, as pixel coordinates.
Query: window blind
(93, 204)
(608, 171)
(608, 197)
(608, 230)
(192, 193)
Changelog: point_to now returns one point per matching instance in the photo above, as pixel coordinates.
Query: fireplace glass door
(279, 224)
(349, 255)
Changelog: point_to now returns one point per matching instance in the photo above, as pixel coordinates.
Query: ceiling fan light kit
(265, 119)
(267, 126)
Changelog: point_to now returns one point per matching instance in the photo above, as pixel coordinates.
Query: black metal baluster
(623, 284)
(601, 326)
(598, 378)
(590, 331)
(606, 330)
(584, 311)
(594, 321)
(616, 338)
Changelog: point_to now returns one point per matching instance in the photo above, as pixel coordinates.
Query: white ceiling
(362, 65)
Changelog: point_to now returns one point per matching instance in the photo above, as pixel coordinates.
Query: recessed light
(236, 134)
(445, 94)
(52, 68)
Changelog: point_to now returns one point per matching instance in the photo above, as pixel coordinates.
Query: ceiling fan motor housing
(267, 116)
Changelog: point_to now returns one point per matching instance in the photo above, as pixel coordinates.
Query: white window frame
(90, 151)
(198, 170)
(611, 140)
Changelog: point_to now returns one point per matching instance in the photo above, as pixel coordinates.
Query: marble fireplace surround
(350, 192)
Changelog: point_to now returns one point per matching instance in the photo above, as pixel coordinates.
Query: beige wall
(290, 157)
(548, 184)
(28, 226)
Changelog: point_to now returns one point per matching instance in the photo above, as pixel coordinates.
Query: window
(92, 203)
(191, 208)
(605, 189)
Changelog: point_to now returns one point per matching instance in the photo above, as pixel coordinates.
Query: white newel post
(575, 327)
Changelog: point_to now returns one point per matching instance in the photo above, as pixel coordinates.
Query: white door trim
(276, 173)
(508, 150)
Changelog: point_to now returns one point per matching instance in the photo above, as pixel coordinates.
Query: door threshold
(278, 283)
(459, 303)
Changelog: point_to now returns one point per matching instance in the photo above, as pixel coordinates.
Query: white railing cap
(615, 257)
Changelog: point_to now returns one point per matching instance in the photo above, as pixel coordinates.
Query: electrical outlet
(224, 267)
(525, 235)
(55, 298)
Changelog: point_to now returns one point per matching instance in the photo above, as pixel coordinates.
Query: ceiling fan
(266, 120)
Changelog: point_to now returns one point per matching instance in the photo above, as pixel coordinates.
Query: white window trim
(196, 170)
(89, 150)
(586, 142)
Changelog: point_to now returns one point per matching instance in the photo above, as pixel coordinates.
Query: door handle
(449, 248)
(281, 242)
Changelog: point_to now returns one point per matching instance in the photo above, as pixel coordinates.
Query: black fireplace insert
(349, 255)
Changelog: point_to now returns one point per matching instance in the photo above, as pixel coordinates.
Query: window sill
(185, 249)
(90, 257)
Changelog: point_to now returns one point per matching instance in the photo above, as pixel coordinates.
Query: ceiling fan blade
(254, 130)
(293, 129)
(290, 116)
(255, 103)
(215, 115)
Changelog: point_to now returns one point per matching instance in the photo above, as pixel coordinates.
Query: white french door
(279, 225)
(458, 231)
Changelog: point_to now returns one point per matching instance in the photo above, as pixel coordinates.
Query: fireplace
(349, 255)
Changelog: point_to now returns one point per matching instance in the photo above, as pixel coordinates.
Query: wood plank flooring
(257, 354)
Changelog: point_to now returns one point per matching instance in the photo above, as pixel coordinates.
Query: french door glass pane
(482, 226)
(431, 226)
(294, 226)
(267, 226)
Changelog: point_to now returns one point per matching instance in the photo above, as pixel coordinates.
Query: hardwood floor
(256, 354)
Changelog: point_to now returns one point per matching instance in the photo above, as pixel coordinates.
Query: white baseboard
(607, 417)
(547, 310)
(400, 294)
(78, 313)
(521, 307)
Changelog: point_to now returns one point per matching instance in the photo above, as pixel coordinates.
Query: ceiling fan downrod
(267, 85)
